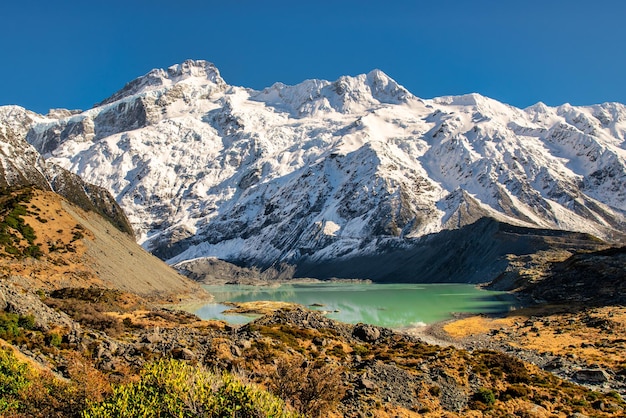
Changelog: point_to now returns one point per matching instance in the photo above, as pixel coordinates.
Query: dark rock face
(476, 253)
(592, 278)
(123, 117)
(88, 197)
(65, 129)
(592, 376)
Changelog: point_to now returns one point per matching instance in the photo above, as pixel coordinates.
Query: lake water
(387, 305)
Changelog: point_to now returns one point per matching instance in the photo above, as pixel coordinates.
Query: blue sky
(74, 54)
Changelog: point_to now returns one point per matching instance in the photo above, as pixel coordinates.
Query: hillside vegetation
(47, 243)
(85, 333)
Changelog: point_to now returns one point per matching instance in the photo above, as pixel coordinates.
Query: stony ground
(583, 345)
(550, 361)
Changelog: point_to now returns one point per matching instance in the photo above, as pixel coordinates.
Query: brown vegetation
(318, 366)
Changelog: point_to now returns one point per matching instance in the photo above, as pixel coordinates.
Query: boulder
(592, 375)
(367, 333)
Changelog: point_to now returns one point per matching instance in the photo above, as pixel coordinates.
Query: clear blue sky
(73, 54)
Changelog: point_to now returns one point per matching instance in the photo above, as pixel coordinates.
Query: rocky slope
(48, 243)
(591, 278)
(333, 170)
(78, 310)
(21, 165)
(572, 325)
(319, 366)
(56, 230)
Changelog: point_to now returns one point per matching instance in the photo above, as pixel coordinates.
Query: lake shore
(399, 305)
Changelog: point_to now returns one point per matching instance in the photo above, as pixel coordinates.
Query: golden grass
(62, 263)
(258, 307)
(476, 325)
(578, 333)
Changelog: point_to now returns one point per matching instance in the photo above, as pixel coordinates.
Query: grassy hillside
(49, 243)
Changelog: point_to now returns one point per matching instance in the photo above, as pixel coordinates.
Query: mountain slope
(333, 170)
(58, 231)
(21, 165)
(76, 248)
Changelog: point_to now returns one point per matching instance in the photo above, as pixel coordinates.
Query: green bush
(171, 388)
(53, 339)
(26, 321)
(13, 380)
(485, 396)
(33, 251)
(11, 325)
(9, 328)
(360, 350)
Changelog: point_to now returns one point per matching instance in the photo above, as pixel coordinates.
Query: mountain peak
(327, 169)
(194, 68)
(470, 99)
(157, 78)
(347, 94)
(385, 89)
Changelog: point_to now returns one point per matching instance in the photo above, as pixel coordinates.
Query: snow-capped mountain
(22, 166)
(325, 170)
(20, 163)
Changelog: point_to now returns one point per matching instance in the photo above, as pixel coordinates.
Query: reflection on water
(389, 305)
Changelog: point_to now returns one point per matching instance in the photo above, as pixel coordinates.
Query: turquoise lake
(388, 305)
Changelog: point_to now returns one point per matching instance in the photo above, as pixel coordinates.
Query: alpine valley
(303, 180)
(355, 178)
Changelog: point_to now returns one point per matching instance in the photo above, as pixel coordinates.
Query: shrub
(33, 251)
(8, 326)
(615, 395)
(13, 380)
(310, 388)
(26, 321)
(485, 396)
(498, 364)
(171, 388)
(11, 325)
(90, 307)
(517, 391)
(360, 350)
(25, 392)
(53, 339)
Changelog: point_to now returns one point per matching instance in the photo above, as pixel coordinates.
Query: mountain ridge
(327, 170)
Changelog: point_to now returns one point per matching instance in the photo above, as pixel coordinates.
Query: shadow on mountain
(476, 253)
(591, 279)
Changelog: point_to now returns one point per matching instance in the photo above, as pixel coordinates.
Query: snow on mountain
(21, 165)
(323, 169)
(346, 95)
